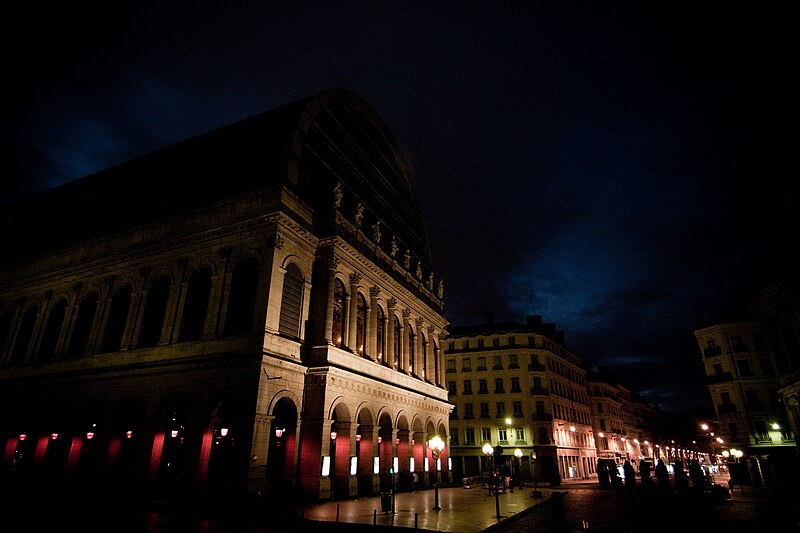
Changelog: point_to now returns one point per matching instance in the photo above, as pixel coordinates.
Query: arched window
(52, 331)
(195, 308)
(242, 299)
(361, 323)
(291, 302)
(338, 313)
(396, 347)
(79, 341)
(117, 319)
(380, 319)
(155, 309)
(24, 336)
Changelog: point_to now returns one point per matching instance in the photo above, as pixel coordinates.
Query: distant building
(251, 311)
(516, 387)
(621, 425)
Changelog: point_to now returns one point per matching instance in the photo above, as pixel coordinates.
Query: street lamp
(489, 451)
(436, 444)
(518, 455)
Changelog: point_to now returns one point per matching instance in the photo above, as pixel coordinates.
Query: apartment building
(743, 383)
(777, 307)
(517, 388)
(624, 425)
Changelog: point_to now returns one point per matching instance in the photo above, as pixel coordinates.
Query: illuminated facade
(623, 427)
(252, 311)
(517, 387)
(778, 309)
(742, 377)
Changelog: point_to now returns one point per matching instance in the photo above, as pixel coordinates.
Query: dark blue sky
(608, 166)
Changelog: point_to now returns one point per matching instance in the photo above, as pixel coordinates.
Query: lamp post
(436, 444)
(518, 455)
(489, 451)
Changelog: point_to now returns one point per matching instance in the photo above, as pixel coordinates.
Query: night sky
(610, 167)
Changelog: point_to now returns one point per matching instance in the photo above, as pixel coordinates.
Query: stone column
(372, 324)
(389, 356)
(331, 263)
(44, 315)
(137, 307)
(259, 451)
(220, 281)
(355, 278)
(341, 479)
(405, 348)
(420, 365)
(367, 452)
(174, 311)
(437, 353)
(72, 314)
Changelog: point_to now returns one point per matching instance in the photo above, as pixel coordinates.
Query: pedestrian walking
(681, 479)
(602, 475)
(662, 475)
(616, 479)
(696, 474)
(644, 472)
(630, 475)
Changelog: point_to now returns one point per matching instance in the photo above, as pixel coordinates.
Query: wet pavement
(463, 510)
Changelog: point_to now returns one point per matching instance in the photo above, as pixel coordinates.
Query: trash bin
(386, 502)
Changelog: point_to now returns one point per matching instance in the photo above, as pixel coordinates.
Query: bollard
(559, 517)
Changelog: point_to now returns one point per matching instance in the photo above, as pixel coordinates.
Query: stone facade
(227, 316)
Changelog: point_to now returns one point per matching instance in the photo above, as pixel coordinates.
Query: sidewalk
(463, 510)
